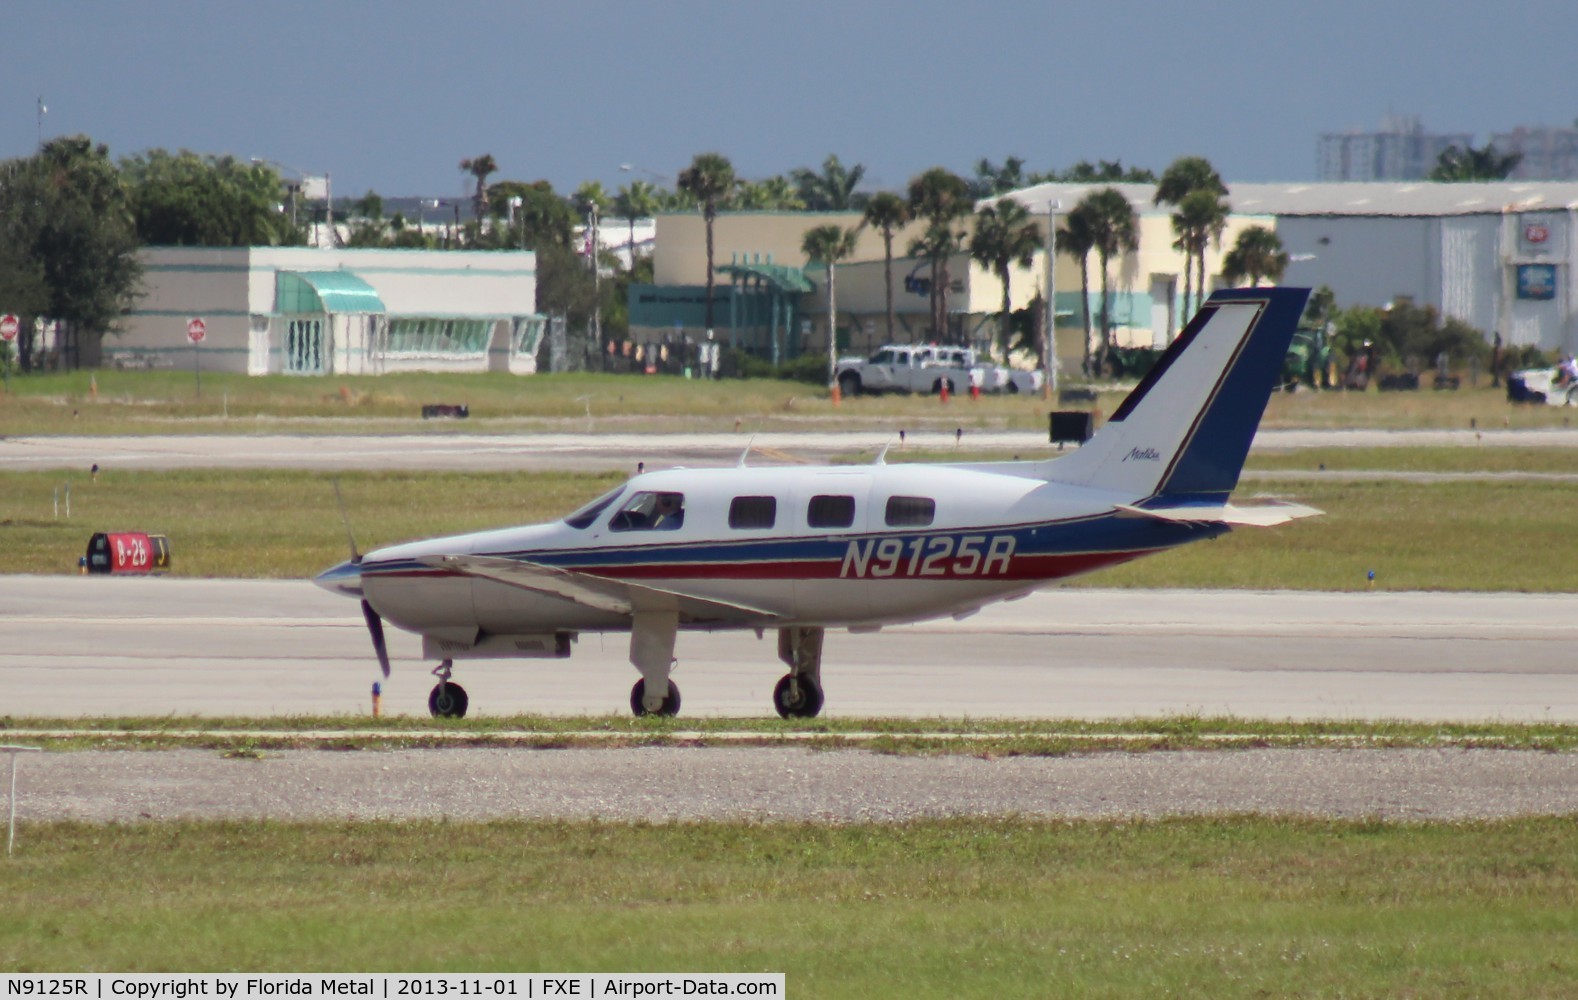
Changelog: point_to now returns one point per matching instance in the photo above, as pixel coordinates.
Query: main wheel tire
(448, 701)
(849, 384)
(638, 700)
(807, 706)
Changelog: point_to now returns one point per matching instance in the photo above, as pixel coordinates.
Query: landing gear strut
(798, 694)
(447, 700)
(652, 652)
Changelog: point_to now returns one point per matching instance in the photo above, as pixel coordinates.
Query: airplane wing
(599, 592)
(1262, 515)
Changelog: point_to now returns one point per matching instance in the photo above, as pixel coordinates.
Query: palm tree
(1472, 164)
(887, 213)
(936, 246)
(710, 180)
(1116, 228)
(992, 180)
(1004, 236)
(1077, 239)
(939, 196)
(636, 200)
(480, 167)
(1256, 254)
(1199, 221)
(828, 245)
(832, 190)
(1183, 176)
(774, 194)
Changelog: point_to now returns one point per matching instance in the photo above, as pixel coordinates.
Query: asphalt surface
(676, 784)
(478, 452)
(95, 646)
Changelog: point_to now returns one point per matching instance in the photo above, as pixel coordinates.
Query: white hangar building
(311, 311)
(1498, 256)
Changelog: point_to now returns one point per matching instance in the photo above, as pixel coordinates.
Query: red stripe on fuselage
(1020, 567)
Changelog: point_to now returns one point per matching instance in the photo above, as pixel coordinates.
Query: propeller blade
(375, 625)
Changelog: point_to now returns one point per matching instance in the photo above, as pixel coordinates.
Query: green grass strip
(995, 737)
(946, 908)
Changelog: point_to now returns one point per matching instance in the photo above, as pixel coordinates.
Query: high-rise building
(1549, 154)
(1400, 151)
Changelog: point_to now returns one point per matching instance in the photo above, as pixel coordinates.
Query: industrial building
(312, 311)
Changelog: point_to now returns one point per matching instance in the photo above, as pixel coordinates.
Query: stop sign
(9, 325)
(196, 329)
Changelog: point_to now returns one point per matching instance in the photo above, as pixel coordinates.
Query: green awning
(324, 292)
(779, 277)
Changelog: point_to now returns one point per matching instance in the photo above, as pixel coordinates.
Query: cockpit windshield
(584, 517)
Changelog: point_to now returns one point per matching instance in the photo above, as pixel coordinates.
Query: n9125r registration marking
(938, 555)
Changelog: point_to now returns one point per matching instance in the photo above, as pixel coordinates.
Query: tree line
(72, 220)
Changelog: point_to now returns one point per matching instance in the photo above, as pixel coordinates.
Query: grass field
(950, 908)
(1495, 535)
(975, 737)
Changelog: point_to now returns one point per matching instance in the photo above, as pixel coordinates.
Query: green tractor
(1310, 359)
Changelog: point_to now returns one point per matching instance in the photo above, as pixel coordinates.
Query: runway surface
(96, 646)
(461, 451)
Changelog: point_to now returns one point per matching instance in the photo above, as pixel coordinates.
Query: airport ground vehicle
(1538, 385)
(928, 368)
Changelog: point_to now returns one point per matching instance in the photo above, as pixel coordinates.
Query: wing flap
(1260, 515)
(601, 593)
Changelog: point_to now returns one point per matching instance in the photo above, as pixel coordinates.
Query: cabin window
(830, 512)
(650, 511)
(584, 517)
(753, 512)
(911, 512)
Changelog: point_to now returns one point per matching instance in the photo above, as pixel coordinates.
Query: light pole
(629, 167)
(597, 302)
(1050, 320)
(516, 202)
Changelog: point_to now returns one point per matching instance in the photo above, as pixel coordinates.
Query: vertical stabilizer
(1185, 430)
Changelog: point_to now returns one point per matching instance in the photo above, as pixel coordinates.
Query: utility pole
(1049, 321)
(597, 301)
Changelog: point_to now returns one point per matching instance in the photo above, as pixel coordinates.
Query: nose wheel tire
(797, 700)
(448, 701)
(638, 703)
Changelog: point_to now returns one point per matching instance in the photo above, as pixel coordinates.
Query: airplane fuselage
(921, 541)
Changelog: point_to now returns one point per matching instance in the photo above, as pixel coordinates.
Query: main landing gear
(798, 694)
(447, 700)
(652, 652)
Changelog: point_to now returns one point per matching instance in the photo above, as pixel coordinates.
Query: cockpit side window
(584, 517)
(650, 511)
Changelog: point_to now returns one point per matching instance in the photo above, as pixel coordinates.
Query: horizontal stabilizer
(1260, 515)
(598, 592)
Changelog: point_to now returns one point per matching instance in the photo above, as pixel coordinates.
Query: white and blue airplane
(805, 549)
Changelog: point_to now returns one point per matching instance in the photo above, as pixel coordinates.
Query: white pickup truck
(927, 368)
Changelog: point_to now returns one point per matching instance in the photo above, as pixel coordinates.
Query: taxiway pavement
(93, 646)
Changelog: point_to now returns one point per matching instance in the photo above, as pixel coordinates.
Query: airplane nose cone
(344, 579)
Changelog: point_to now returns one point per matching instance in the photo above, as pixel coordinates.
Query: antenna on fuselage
(882, 456)
(345, 519)
(746, 453)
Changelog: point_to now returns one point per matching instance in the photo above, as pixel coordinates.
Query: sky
(390, 96)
